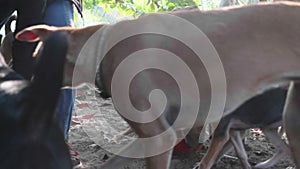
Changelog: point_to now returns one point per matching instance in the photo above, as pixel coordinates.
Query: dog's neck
(82, 52)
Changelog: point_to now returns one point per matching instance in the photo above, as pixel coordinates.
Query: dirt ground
(95, 123)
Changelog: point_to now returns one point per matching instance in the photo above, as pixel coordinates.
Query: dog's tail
(47, 81)
(8, 23)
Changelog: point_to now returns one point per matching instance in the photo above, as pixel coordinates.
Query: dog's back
(30, 139)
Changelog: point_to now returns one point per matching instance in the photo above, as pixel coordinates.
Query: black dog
(30, 138)
(263, 111)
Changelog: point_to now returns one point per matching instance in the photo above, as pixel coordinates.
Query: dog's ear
(35, 33)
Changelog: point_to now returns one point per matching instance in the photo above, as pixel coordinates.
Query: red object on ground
(181, 147)
(80, 105)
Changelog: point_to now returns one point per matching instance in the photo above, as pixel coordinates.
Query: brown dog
(258, 46)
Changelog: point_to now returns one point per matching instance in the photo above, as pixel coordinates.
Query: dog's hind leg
(281, 148)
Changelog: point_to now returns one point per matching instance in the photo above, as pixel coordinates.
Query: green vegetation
(110, 11)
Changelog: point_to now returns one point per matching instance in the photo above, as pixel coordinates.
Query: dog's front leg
(164, 136)
(215, 147)
(161, 161)
(237, 142)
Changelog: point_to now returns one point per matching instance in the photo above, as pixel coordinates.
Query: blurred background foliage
(111, 11)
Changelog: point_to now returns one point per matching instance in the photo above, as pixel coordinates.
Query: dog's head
(30, 138)
(76, 38)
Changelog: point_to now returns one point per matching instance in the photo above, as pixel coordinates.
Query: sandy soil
(95, 123)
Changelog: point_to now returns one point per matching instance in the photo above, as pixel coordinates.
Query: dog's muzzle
(101, 92)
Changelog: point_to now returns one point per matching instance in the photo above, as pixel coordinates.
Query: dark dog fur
(263, 111)
(30, 138)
